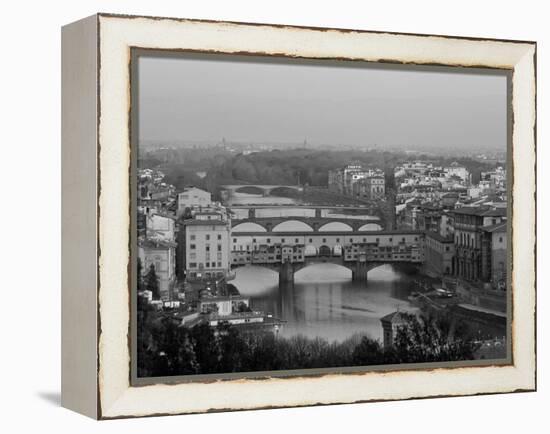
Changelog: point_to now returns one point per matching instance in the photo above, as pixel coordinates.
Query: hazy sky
(259, 100)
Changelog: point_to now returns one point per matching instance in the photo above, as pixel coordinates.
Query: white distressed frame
(116, 35)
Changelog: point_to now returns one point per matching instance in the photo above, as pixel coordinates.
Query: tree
(206, 348)
(369, 352)
(152, 282)
(232, 349)
(432, 338)
(171, 351)
(139, 275)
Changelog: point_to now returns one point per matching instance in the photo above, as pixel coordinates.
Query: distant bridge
(359, 251)
(316, 210)
(263, 189)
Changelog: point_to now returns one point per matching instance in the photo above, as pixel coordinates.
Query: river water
(323, 301)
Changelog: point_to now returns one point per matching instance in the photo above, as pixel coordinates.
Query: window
(311, 240)
(219, 236)
(219, 256)
(219, 247)
(207, 237)
(192, 246)
(219, 264)
(337, 240)
(192, 265)
(207, 248)
(192, 255)
(253, 240)
(296, 240)
(192, 237)
(378, 240)
(268, 240)
(234, 240)
(351, 240)
(364, 240)
(324, 240)
(500, 239)
(391, 239)
(282, 240)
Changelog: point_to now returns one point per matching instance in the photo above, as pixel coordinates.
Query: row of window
(205, 265)
(193, 255)
(404, 256)
(207, 247)
(193, 237)
(297, 240)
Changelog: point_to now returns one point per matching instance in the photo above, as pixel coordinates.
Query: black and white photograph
(275, 217)
(296, 215)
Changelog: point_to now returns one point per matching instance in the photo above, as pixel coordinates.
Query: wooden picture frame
(97, 216)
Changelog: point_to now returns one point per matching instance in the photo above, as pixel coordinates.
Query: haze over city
(203, 98)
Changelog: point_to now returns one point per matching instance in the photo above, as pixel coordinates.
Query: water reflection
(324, 302)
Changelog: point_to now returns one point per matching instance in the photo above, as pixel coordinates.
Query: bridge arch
(249, 189)
(310, 250)
(370, 227)
(335, 227)
(310, 264)
(293, 225)
(325, 250)
(248, 227)
(284, 190)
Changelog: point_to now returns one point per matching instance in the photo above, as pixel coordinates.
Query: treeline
(292, 166)
(165, 349)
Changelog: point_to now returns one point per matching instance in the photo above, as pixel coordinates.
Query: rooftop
(156, 243)
(194, 222)
(437, 236)
(480, 211)
(499, 227)
(394, 317)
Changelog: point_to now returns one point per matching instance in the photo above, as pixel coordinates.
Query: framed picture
(261, 216)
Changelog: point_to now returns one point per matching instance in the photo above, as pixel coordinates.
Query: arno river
(324, 302)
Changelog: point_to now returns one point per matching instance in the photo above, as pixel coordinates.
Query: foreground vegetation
(166, 349)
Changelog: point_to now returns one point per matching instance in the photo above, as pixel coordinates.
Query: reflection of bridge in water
(359, 251)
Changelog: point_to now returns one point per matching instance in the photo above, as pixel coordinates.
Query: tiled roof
(194, 222)
(480, 211)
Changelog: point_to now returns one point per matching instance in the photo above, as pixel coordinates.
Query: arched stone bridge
(315, 224)
(359, 269)
(289, 252)
(263, 189)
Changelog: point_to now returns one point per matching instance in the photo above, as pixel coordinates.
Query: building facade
(372, 187)
(469, 224)
(495, 254)
(162, 255)
(192, 197)
(439, 253)
(207, 254)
